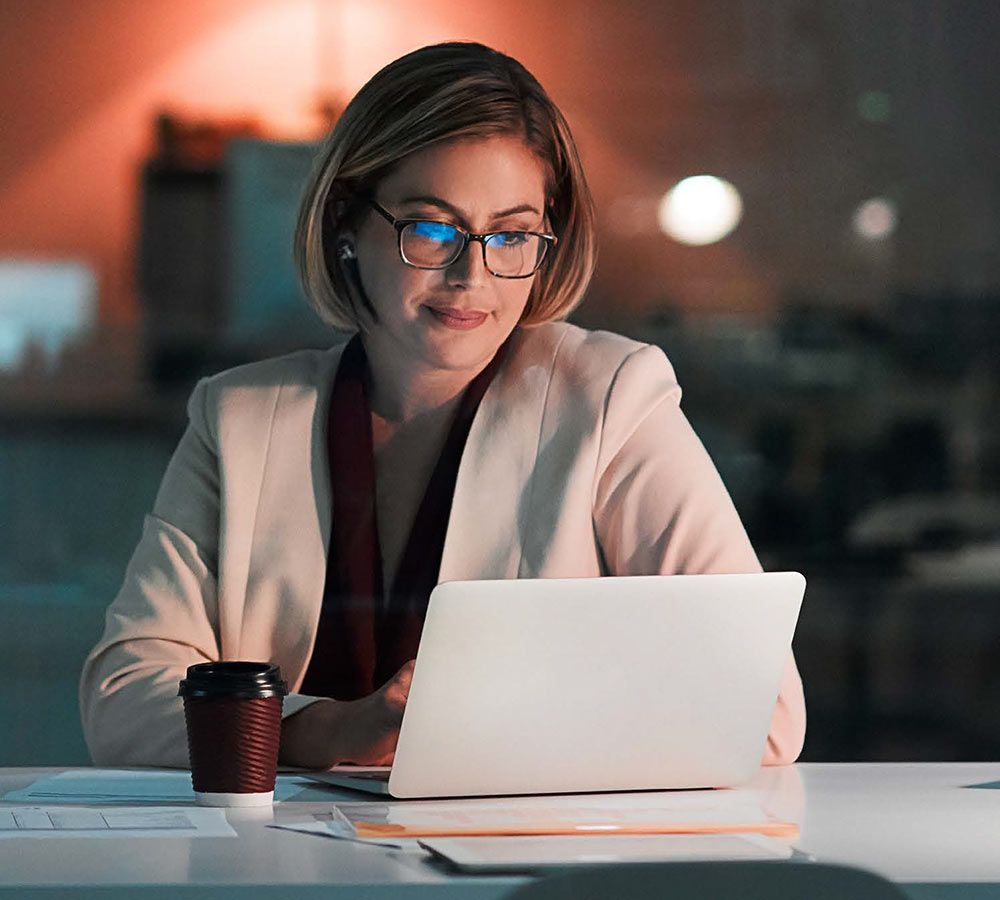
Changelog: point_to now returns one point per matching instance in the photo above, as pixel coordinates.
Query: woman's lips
(459, 319)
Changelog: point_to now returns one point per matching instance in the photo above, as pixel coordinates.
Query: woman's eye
(512, 238)
(434, 231)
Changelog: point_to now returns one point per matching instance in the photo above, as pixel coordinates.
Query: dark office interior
(835, 329)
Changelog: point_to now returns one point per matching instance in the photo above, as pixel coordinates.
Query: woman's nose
(469, 270)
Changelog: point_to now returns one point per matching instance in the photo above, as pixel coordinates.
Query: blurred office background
(829, 295)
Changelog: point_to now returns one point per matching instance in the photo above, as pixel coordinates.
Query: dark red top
(361, 641)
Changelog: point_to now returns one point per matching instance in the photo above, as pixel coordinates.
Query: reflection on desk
(930, 827)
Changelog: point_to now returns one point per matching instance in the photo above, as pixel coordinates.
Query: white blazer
(579, 463)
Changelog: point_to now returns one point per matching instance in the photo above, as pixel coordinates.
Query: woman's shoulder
(568, 340)
(253, 387)
(592, 357)
(298, 367)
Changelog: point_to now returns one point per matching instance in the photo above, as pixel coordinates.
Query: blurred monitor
(264, 307)
(44, 304)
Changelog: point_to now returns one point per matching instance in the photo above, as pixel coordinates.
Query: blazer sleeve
(164, 617)
(660, 507)
(166, 614)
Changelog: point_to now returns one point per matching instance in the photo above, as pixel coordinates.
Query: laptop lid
(595, 684)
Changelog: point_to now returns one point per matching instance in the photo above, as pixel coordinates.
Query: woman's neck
(403, 390)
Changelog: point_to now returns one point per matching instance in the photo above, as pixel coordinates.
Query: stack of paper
(694, 812)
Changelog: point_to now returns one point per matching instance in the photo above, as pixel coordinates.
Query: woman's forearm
(309, 737)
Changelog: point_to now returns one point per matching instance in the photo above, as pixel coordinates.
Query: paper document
(681, 812)
(117, 821)
(501, 854)
(128, 786)
(325, 827)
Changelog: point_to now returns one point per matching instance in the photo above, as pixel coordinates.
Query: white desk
(920, 825)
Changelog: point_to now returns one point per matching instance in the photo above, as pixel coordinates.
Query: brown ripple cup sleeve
(233, 715)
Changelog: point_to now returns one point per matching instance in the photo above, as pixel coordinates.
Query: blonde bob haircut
(439, 93)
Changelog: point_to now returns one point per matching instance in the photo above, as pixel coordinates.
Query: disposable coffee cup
(233, 715)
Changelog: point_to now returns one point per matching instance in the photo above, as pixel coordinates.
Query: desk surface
(933, 827)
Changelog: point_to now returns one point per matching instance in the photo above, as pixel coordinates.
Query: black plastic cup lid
(248, 680)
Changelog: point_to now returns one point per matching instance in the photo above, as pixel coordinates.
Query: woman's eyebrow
(429, 200)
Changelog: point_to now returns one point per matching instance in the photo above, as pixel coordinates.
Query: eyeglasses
(426, 244)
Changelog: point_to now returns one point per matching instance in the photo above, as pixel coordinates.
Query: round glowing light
(700, 210)
(875, 219)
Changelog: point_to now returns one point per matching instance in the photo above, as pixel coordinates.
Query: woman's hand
(362, 732)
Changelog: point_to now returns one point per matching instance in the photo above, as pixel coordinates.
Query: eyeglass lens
(437, 245)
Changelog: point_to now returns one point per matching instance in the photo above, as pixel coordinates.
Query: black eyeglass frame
(548, 241)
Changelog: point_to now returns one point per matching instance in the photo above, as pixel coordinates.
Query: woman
(463, 432)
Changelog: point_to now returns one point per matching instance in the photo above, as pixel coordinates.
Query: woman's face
(453, 318)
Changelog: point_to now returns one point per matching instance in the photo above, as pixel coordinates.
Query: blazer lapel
(493, 492)
(289, 545)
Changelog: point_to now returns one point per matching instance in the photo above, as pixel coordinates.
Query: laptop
(546, 686)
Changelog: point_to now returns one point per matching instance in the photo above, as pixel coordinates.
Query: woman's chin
(462, 350)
